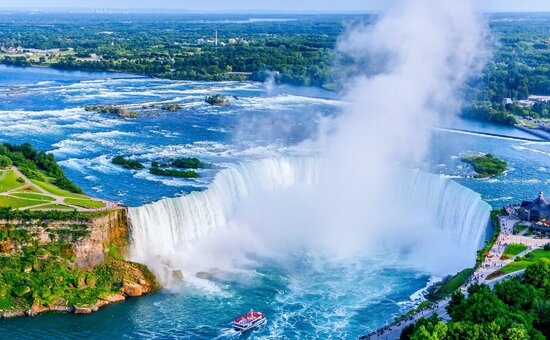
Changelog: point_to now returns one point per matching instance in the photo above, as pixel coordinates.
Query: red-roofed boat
(249, 321)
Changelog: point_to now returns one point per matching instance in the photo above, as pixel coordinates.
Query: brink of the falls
(164, 232)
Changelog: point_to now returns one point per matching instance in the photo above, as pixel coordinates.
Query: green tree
(515, 294)
(538, 274)
(5, 161)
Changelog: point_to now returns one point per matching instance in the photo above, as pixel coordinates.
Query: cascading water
(163, 231)
(164, 228)
(458, 209)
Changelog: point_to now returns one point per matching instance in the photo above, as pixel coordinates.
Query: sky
(260, 5)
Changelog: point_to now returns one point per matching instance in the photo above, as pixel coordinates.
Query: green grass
(527, 260)
(37, 197)
(512, 250)
(519, 228)
(9, 181)
(447, 287)
(15, 203)
(52, 189)
(85, 203)
(55, 207)
(521, 263)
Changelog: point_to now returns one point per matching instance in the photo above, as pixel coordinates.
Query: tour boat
(249, 321)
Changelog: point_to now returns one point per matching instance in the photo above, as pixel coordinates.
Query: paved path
(493, 262)
(58, 200)
(489, 265)
(393, 331)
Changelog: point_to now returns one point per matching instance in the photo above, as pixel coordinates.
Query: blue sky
(261, 5)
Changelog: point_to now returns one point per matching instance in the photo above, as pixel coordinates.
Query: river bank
(492, 261)
(128, 290)
(534, 131)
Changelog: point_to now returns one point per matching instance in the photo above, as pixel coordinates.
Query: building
(542, 227)
(541, 99)
(535, 211)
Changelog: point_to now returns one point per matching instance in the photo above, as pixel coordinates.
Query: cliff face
(92, 238)
(68, 265)
(104, 232)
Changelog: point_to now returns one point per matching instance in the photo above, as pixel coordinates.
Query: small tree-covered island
(486, 165)
(169, 168)
(60, 250)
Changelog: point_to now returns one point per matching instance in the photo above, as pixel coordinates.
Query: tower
(216, 41)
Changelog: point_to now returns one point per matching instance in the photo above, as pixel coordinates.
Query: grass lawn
(451, 285)
(34, 197)
(512, 250)
(524, 262)
(519, 228)
(14, 203)
(9, 181)
(52, 189)
(54, 207)
(85, 203)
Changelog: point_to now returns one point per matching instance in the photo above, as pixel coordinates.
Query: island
(60, 250)
(166, 168)
(217, 100)
(486, 165)
(120, 111)
(127, 163)
(173, 107)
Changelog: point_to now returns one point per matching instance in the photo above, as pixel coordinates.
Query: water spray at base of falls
(217, 227)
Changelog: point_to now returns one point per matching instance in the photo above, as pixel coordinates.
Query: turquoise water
(303, 295)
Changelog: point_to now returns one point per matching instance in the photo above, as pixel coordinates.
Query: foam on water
(166, 231)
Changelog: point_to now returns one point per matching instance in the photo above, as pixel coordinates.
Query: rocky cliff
(68, 264)
(91, 238)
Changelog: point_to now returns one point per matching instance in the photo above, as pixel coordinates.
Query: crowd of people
(399, 324)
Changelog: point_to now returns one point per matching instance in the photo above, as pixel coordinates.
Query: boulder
(82, 310)
(132, 289)
(177, 275)
(204, 275)
(114, 298)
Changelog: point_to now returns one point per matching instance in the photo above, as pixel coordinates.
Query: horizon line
(150, 10)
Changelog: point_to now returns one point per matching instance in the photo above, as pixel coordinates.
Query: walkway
(489, 265)
(58, 200)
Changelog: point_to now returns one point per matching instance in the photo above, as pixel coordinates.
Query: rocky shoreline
(129, 289)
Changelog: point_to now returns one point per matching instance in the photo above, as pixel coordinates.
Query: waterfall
(163, 230)
(458, 209)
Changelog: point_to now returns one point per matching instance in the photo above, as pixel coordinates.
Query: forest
(293, 49)
(516, 308)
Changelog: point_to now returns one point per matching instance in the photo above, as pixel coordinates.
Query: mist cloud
(363, 199)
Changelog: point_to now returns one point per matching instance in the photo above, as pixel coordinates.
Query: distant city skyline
(280, 6)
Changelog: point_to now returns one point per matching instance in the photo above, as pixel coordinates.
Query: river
(302, 294)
